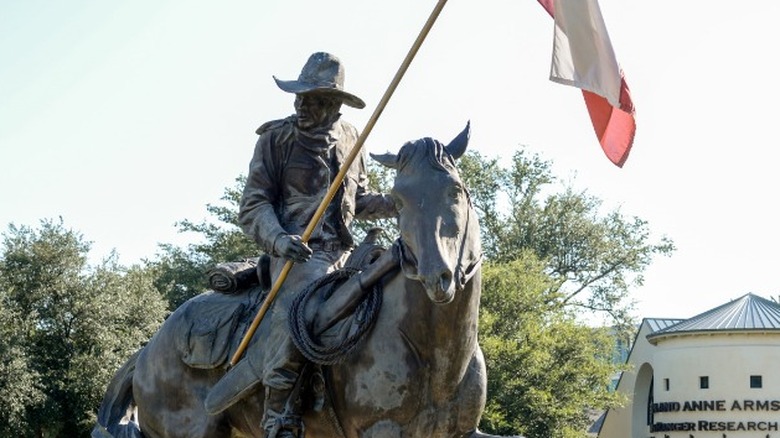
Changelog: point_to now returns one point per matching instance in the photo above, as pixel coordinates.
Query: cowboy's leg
(284, 363)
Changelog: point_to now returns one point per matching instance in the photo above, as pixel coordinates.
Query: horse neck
(442, 337)
(443, 333)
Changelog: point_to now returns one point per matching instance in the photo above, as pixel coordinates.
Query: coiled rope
(365, 316)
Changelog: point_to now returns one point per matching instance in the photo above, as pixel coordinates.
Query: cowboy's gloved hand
(291, 247)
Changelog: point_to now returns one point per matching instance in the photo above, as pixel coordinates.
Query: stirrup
(277, 423)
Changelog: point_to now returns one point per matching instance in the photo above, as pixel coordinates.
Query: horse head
(440, 242)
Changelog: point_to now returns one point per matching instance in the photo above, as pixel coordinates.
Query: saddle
(242, 378)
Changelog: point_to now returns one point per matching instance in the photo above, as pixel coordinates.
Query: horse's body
(420, 371)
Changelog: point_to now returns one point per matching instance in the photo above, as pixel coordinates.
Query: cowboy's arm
(370, 205)
(256, 214)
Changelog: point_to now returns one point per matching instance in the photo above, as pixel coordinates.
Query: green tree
(546, 371)
(20, 384)
(180, 271)
(74, 325)
(594, 258)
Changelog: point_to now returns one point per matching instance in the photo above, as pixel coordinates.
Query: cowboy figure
(294, 163)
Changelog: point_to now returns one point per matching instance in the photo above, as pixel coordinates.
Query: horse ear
(387, 160)
(458, 145)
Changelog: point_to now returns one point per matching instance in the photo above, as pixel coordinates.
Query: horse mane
(429, 150)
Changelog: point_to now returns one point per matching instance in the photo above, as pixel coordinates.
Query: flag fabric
(583, 57)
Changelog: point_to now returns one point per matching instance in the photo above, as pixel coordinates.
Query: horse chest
(412, 362)
(414, 397)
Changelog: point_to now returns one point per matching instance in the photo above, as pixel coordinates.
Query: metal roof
(656, 324)
(747, 313)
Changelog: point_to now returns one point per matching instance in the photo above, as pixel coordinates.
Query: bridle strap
(462, 277)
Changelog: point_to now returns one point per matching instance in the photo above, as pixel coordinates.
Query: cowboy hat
(324, 73)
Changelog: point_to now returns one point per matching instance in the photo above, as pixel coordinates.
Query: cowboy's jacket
(290, 174)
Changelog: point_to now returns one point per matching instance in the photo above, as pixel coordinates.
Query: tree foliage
(546, 371)
(20, 383)
(180, 271)
(595, 258)
(69, 327)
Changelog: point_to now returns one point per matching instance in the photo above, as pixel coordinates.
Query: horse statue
(419, 372)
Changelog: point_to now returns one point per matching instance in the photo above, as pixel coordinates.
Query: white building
(716, 375)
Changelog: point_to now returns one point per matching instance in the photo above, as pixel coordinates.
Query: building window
(755, 382)
(704, 382)
(666, 384)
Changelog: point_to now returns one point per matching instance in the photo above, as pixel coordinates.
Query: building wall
(728, 406)
(618, 423)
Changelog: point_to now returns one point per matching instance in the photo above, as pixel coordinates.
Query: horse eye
(398, 203)
(455, 192)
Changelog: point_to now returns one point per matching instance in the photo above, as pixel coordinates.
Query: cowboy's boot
(282, 417)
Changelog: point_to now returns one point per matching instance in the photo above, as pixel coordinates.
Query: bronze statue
(418, 370)
(294, 163)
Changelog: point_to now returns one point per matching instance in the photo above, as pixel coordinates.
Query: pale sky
(125, 117)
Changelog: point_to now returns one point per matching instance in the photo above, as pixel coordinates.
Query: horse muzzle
(440, 287)
(436, 278)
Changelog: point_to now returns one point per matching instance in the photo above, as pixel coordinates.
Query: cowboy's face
(315, 109)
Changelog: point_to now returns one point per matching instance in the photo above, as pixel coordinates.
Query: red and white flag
(583, 57)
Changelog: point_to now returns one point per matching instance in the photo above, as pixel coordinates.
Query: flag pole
(334, 187)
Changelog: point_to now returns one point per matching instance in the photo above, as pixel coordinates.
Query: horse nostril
(444, 280)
